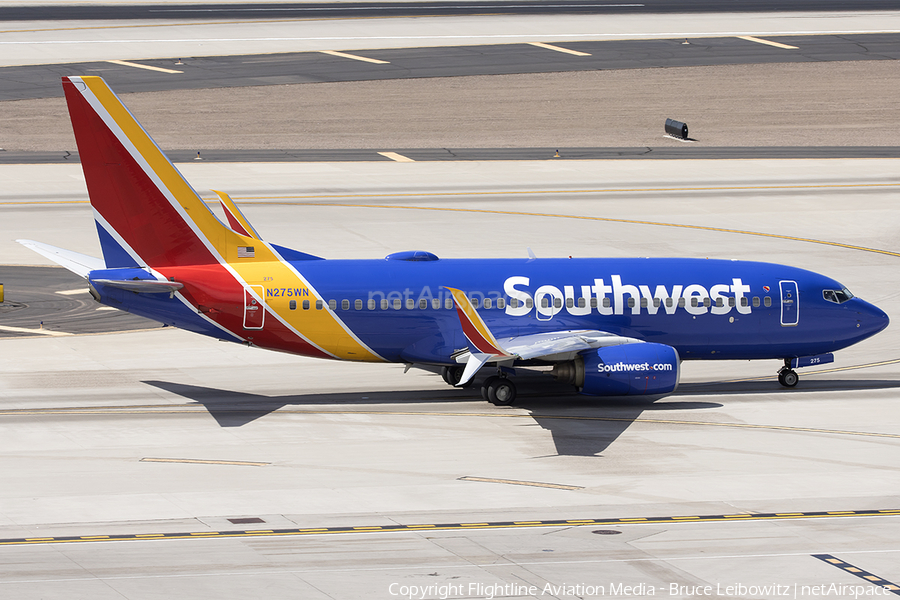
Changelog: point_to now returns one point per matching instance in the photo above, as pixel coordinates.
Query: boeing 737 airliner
(607, 326)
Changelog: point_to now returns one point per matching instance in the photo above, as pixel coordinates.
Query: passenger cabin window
(837, 296)
(384, 304)
(397, 304)
(345, 304)
(744, 301)
(488, 303)
(631, 302)
(681, 303)
(436, 303)
(501, 303)
(357, 304)
(474, 302)
(593, 303)
(581, 302)
(332, 304)
(423, 303)
(669, 302)
(707, 302)
(755, 301)
(293, 304)
(448, 303)
(371, 304)
(306, 305)
(644, 303)
(557, 302)
(657, 302)
(767, 301)
(545, 302)
(319, 305)
(529, 303)
(570, 302)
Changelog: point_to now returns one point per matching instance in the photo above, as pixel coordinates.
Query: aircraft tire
(788, 378)
(485, 387)
(452, 375)
(502, 392)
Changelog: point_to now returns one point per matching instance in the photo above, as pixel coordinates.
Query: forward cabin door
(254, 307)
(790, 303)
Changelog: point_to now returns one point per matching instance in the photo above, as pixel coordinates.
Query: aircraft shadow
(579, 425)
(721, 388)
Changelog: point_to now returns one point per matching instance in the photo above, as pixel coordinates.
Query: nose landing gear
(787, 376)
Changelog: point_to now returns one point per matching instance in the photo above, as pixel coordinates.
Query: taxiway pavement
(161, 433)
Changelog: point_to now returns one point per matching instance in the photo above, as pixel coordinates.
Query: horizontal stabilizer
(80, 264)
(146, 286)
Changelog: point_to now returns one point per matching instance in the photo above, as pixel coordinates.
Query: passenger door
(790, 303)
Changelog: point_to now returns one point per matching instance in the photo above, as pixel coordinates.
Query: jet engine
(626, 370)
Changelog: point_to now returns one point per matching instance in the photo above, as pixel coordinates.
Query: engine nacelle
(626, 370)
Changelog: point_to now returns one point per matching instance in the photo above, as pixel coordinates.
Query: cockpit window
(837, 296)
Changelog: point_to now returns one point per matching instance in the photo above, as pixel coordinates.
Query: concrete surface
(366, 445)
(40, 42)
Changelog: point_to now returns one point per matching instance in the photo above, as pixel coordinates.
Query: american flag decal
(245, 252)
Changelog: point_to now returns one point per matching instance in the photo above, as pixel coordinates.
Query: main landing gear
(497, 389)
(452, 375)
(787, 376)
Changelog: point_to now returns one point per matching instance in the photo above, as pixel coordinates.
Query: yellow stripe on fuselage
(265, 268)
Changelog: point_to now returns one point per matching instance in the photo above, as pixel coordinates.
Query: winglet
(475, 362)
(236, 219)
(474, 327)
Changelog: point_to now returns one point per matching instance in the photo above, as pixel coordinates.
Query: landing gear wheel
(788, 378)
(452, 375)
(485, 386)
(501, 392)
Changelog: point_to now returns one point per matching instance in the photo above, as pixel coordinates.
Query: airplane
(608, 326)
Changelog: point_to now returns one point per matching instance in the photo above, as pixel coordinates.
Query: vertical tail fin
(147, 214)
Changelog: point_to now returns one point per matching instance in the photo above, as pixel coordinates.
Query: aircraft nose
(870, 318)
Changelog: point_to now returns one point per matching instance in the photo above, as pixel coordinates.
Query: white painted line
(355, 57)
(558, 49)
(106, 308)
(396, 157)
(750, 38)
(125, 63)
(678, 139)
(72, 292)
(32, 331)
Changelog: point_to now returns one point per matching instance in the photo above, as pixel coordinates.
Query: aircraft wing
(555, 346)
(560, 345)
(551, 346)
(80, 264)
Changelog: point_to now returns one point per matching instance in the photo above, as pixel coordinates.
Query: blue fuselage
(706, 309)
